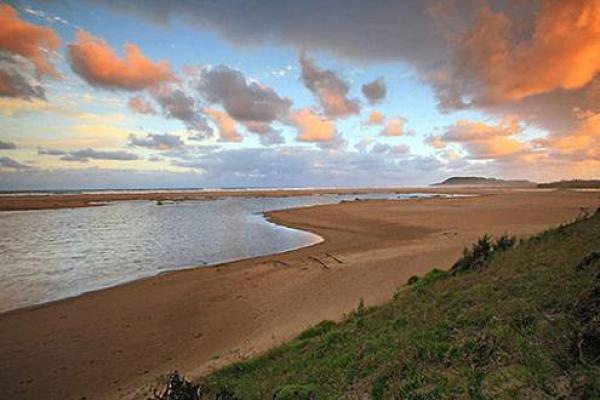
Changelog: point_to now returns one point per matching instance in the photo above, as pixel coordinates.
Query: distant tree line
(572, 184)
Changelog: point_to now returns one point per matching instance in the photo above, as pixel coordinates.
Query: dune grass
(523, 323)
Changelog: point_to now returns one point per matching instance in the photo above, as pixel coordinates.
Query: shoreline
(280, 223)
(181, 269)
(62, 201)
(113, 343)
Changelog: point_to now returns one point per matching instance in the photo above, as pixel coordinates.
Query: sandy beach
(114, 343)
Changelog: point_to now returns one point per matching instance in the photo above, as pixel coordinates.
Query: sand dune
(113, 343)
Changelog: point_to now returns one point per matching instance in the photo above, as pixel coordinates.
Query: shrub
(480, 254)
(412, 280)
(177, 388)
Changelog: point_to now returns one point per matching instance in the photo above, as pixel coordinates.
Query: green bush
(480, 254)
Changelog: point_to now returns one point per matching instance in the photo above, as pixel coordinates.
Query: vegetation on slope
(520, 322)
(483, 181)
(572, 184)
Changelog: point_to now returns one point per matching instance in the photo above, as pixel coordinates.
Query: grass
(523, 324)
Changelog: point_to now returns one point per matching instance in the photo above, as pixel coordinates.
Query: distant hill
(482, 181)
(572, 184)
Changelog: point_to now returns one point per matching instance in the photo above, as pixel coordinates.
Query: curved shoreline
(134, 279)
(111, 344)
(265, 219)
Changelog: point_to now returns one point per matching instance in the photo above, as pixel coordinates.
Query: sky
(339, 93)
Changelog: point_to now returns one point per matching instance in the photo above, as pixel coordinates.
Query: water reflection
(48, 255)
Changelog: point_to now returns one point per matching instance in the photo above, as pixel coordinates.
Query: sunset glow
(107, 94)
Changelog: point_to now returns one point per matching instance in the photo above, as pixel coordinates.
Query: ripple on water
(48, 255)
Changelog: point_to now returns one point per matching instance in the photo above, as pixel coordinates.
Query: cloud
(402, 30)
(32, 42)
(243, 100)
(535, 59)
(25, 55)
(329, 89)
(466, 131)
(495, 62)
(384, 148)
(267, 135)
(84, 155)
(484, 141)
(155, 158)
(51, 152)
(311, 127)
(581, 144)
(140, 105)
(225, 124)
(249, 167)
(7, 145)
(394, 127)
(52, 19)
(375, 91)
(18, 78)
(10, 164)
(176, 104)
(164, 141)
(375, 118)
(294, 166)
(97, 63)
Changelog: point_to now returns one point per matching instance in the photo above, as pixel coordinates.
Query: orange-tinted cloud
(27, 40)
(483, 141)
(329, 89)
(496, 62)
(580, 144)
(312, 127)
(97, 63)
(466, 131)
(225, 124)
(394, 127)
(375, 118)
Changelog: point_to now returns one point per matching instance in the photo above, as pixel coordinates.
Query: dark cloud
(51, 152)
(245, 101)
(9, 163)
(84, 155)
(164, 141)
(177, 104)
(375, 91)
(330, 90)
(362, 30)
(18, 78)
(7, 145)
(140, 105)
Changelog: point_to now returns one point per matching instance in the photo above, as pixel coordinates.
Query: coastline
(135, 279)
(114, 342)
(55, 201)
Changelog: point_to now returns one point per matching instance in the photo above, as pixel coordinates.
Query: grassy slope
(503, 332)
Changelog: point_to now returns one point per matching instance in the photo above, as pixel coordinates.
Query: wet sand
(112, 344)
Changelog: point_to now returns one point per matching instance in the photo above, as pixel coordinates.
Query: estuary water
(52, 254)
